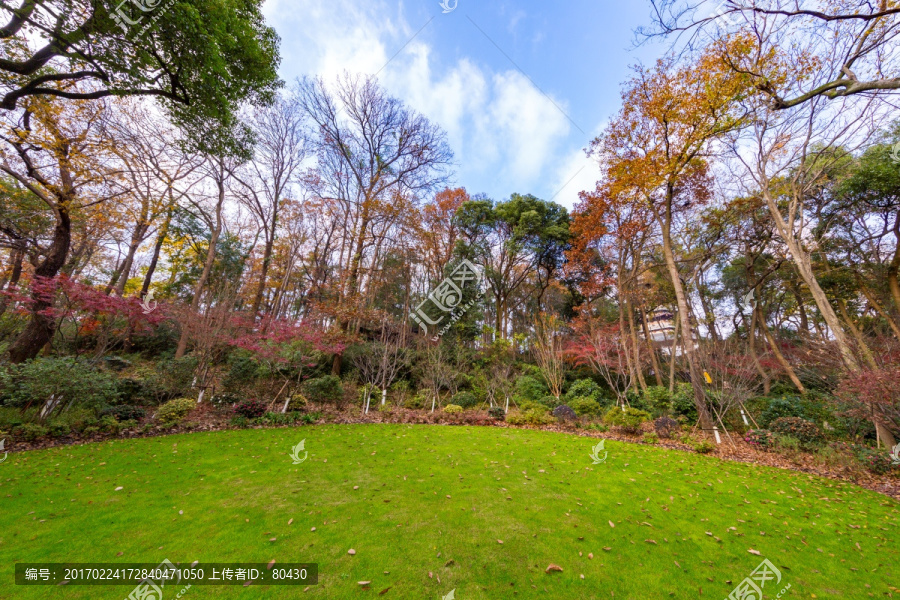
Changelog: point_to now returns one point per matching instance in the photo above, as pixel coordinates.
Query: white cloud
(503, 130)
(577, 173)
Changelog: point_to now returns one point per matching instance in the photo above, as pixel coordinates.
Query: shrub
(116, 363)
(277, 418)
(453, 409)
(665, 426)
(10, 418)
(58, 430)
(683, 402)
(658, 399)
(79, 422)
(651, 438)
(598, 427)
(130, 390)
(298, 402)
(124, 413)
(68, 379)
(585, 407)
(779, 408)
(465, 399)
(417, 402)
(530, 388)
(531, 416)
(533, 406)
(564, 413)
(876, 461)
(170, 379)
(584, 388)
(173, 411)
(806, 432)
(310, 418)
(225, 399)
(243, 370)
(90, 431)
(250, 409)
(785, 443)
(704, 447)
(760, 438)
(374, 394)
(497, 413)
(401, 390)
(30, 432)
(109, 424)
(628, 420)
(240, 422)
(550, 402)
(324, 389)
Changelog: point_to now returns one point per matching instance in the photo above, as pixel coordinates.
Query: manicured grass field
(431, 504)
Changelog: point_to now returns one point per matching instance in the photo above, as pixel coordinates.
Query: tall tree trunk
(780, 357)
(624, 337)
(40, 328)
(263, 274)
(801, 309)
(207, 267)
(157, 249)
(751, 337)
(672, 354)
(635, 347)
(707, 309)
(873, 300)
(122, 276)
(867, 355)
(697, 380)
(16, 259)
(353, 279)
(803, 263)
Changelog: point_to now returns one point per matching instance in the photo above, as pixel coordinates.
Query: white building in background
(661, 325)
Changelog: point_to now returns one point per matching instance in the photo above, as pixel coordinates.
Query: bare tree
(380, 363)
(437, 373)
(549, 345)
(371, 150)
(218, 170)
(267, 179)
(152, 165)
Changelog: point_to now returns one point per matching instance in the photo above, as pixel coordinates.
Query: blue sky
(520, 87)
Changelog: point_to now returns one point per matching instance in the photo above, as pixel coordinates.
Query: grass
(429, 495)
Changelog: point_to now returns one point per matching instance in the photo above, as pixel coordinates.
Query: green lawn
(429, 495)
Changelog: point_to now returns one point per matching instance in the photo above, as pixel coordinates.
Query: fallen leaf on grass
(611, 524)
(553, 567)
(752, 551)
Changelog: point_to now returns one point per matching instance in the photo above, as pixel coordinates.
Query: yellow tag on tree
(708, 378)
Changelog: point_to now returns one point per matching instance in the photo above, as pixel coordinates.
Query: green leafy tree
(201, 58)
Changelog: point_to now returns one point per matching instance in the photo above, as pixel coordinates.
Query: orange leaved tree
(654, 153)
